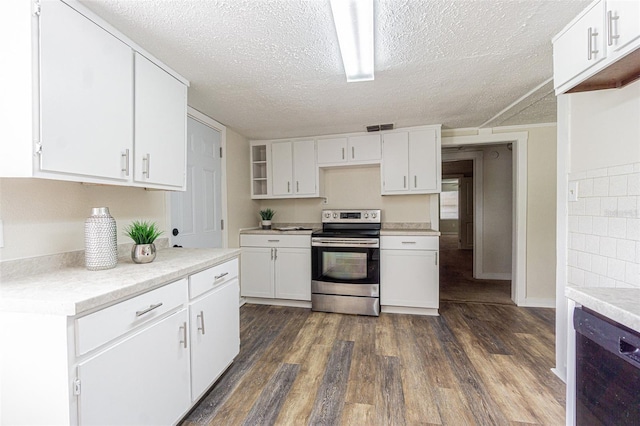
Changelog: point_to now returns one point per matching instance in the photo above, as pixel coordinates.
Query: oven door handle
(337, 242)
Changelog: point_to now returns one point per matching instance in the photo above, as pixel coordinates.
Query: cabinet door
(304, 165)
(293, 273)
(423, 161)
(215, 335)
(257, 272)
(331, 151)
(86, 99)
(364, 148)
(409, 278)
(160, 126)
(143, 380)
(395, 166)
(282, 168)
(571, 53)
(623, 23)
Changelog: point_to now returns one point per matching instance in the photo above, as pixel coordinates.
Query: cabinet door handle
(275, 254)
(353, 152)
(592, 35)
(273, 241)
(404, 182)
(125, 157)
(436, 258)
(288, 187)
(145, 169)
(297, 186)
(149, 309)
(183, 327)
(343, 153)
(224, 274)
(408, 242)
(201, 316)
(415, 181)
(610, 36)
(271, 254)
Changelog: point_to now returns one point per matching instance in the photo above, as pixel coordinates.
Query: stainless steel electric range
(345, 263)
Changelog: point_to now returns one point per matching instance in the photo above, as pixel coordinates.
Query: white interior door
(196, 214)
(465, 213)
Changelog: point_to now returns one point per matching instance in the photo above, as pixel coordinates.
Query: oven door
(345, 263)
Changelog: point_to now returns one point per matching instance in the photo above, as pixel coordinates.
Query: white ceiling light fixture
(354, 25)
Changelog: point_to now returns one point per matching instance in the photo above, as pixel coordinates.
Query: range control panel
(351, 216)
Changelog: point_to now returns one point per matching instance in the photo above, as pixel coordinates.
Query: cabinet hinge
(35, 8)
(38, 148)
(220, 152)
(76, 387)
(222, 224)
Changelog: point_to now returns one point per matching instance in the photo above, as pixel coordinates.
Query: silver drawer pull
(273, 241)
(408, 242)
(183, 327)
(149, 309)
(201, 316)
(224, 274)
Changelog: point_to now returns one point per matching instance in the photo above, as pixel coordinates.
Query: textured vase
(266, 224)
(100, 240)
(143, 253)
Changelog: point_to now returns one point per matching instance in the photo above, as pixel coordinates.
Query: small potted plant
(266, 215)
(143, 235)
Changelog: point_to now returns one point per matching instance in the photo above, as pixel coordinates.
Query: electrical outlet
(325, 200)
(573, 191)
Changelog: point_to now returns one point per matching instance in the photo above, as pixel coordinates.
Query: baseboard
(534, 302)
(503, 276)
(278, 302)
(409, 310)
(562, 374)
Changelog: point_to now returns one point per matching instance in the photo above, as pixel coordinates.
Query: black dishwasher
(607, 371)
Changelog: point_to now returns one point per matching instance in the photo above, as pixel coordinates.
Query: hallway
(456, 277)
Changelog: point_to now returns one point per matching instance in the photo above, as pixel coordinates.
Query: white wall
(43, 217)
(497, 211)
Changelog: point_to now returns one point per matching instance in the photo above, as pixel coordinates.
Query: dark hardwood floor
(474, 364)
(456, 277)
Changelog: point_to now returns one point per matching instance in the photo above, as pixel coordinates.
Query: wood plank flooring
(474, 365)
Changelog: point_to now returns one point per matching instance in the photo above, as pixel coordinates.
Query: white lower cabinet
(409, 275)
(275, 266)
(214, 320)
(143, 380)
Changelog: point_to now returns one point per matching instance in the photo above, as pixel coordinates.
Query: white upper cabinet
(160, 126)
(411, 162)
(606, 32)
(351, 150)
(86, 99)
(284, 169)
(83, 90)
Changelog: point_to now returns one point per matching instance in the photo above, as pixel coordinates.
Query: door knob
(175, 232)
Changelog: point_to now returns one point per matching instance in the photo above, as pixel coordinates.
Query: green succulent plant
(143, 232)
(267, 214)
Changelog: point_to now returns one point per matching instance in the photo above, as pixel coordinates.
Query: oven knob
(327, 215)
(366, 215)
(335, 215)
(373, 215)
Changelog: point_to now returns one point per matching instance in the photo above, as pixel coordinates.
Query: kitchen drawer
(107, 324)
(409, 242)
(210, 278)
(275, 240)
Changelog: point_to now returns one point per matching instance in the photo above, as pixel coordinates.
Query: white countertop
(619, 304)
(408, 231)
(75, 290)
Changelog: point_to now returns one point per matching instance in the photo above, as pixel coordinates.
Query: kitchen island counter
(74, 290)
(619, 304)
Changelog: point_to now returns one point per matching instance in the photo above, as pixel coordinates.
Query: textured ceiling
(272, 68)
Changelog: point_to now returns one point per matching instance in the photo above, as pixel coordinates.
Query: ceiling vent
(379, 127)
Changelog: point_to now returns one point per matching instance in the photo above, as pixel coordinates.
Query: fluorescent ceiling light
(354, 24)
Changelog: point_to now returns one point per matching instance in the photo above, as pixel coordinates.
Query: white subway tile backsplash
(608, 246)
(604, 228)
(585, 225)
(617, 227)
(615, 269)
(592, 244)
(592, 206)
(625, 169)
(601, 187)
(617, 186)
(600, 226)
(625, 250)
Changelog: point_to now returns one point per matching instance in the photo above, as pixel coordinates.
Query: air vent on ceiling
(379, 127)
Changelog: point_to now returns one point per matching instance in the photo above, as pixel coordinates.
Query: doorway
(476, 251)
